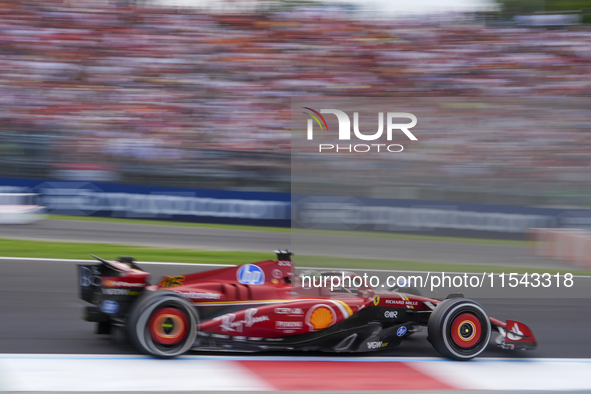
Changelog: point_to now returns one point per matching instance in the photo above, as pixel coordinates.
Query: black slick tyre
(459, 329)
(162, 324)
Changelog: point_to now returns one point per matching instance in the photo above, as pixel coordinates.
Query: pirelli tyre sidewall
(162, 324)
(459, 329)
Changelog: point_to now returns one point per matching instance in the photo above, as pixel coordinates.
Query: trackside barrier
(79, 198)
(569, 245)
(258, 208)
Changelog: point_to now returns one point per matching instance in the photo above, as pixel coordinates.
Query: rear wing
(111, 285)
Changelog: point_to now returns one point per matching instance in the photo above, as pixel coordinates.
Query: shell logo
(320, 317)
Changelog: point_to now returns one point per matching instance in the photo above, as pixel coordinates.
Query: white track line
(119, 374)
(96, 261)
(70, 356)
(233, 265)
(494, 375)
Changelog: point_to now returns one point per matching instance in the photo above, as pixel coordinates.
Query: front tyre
(162, 324)
(459, 329)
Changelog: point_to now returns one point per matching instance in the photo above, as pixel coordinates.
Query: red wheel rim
(168, 326)
(466, 330)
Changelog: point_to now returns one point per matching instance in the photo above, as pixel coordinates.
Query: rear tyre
(459, 329)
(162, 324)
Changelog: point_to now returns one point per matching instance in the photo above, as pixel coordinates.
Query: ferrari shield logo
(376, 300)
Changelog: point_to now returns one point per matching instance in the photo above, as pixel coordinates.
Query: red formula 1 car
(263, 307)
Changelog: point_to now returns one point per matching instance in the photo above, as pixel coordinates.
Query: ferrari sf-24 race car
(263, 307)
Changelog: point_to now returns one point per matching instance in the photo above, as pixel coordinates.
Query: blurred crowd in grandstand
(180, 98)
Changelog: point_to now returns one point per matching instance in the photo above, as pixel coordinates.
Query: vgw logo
(345, 130)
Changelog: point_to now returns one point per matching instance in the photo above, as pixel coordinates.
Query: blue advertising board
(312, 212)
(145, 202)
(429, 217)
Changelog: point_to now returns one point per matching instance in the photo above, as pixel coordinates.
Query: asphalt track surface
(41, 313)
(200, 238)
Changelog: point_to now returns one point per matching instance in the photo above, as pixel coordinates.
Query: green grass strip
(364, 234)
(80, 250)
(75, 250)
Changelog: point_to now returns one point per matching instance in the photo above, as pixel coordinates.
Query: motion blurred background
(194, 96)
(181, 111)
